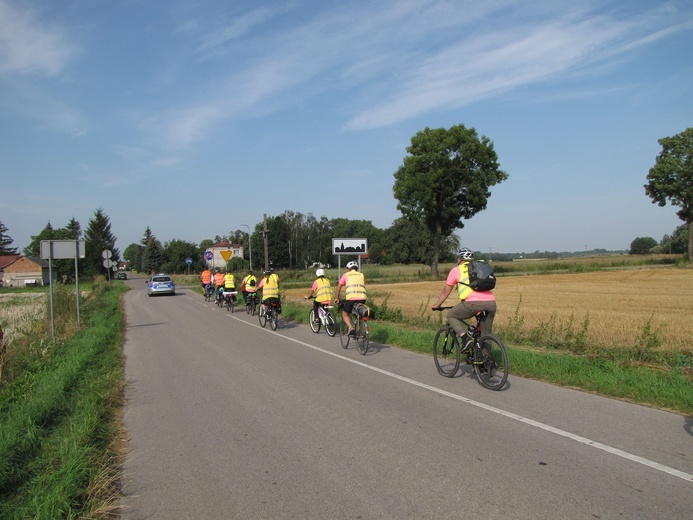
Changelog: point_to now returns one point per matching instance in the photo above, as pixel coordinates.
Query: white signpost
(349, 246)
(62, 250)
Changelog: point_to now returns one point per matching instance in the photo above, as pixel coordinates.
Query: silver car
(160, 284)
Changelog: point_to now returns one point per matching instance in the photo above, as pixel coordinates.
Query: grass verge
(667, 388)
(60, 418)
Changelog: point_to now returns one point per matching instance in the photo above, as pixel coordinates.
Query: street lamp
(250, 247)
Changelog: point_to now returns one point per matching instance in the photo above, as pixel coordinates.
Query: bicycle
(269, 314)
(487, 354)
(324, 318)
(229, 300)
(208, 292)
(219, 296)
(251, 303)
(361, 332)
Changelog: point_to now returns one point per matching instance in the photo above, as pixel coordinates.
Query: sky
(196, 117)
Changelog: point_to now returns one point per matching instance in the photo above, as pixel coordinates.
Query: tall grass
(58, 415)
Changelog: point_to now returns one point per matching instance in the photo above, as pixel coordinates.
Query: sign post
(62, 249)
(349, 246)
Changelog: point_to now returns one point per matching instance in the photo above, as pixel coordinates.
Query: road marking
(556, 431)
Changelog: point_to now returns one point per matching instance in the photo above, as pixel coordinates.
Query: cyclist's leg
(461, 311)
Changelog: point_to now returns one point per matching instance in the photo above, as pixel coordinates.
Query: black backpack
(481, 277)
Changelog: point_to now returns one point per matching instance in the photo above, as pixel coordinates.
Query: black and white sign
(349, 246)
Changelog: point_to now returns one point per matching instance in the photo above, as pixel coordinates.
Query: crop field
(18, 312)
(614, 307)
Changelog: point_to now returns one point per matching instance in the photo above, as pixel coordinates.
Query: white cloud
(29, 47)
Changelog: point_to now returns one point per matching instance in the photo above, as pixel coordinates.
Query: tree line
(444, 179)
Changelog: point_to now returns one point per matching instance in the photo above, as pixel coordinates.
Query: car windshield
(161, 279)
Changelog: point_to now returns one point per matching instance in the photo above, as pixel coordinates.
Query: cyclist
(355, 284)
(230, 284)
(218, 281)
(248, 285)
(322, 291)
(270, 290)
(471, 301)
(206, 279)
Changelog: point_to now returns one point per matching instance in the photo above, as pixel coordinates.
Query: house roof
(6, 260)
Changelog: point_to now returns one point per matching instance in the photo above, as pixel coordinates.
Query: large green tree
(446, 179)
(152, 256)
(6, 242)
(671, 178)
(642, 246)
(97, 239)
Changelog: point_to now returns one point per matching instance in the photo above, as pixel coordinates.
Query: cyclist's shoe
(352, 332)
(316, 322)
(467, 342)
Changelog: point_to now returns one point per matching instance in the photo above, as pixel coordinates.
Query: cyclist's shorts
(349, 305)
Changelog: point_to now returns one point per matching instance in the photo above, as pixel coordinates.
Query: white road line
(557, 431)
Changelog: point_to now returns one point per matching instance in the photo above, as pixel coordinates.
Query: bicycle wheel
(491, 363)
(262, 317)
(343, 337)
(446, 352)
(330, 325)
(273, 318)
(315, 327)
(363, 340)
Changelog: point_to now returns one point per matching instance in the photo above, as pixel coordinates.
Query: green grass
(665, 387)
(59, 420)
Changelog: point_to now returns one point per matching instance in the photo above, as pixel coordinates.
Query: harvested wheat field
(617, 304)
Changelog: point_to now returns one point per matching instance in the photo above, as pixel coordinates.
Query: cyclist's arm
(443, 296)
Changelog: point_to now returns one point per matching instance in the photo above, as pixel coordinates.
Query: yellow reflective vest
(324, 292)
(355, 286)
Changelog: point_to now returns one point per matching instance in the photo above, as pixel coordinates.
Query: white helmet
(352, 265)
(320, 272)
(465, 253)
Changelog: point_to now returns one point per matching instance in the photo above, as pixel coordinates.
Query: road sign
(188, 261)
(226, 255)
(209, 255)
(349, 246)
(62, 249)
(108, 263)
(106, 254)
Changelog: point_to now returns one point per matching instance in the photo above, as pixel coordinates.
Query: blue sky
(195, 117)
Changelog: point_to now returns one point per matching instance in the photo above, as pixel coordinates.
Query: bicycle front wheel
(314, 325)
(343, 336)
(491, 363)
(363, 340)
(446, 352)
(330, 325)
(262, 316)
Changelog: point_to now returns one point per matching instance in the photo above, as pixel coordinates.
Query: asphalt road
(228, 420)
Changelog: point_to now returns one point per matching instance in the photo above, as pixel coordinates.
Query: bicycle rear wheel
(491, 363)
(315, 327)
(262, 317)
(363, 340)
(273, 318)
(446, 352)
(330, 325)
(343, 337)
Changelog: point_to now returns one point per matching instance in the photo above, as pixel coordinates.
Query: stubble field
(614, 307)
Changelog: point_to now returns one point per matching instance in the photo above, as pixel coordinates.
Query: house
(25, 272)
(222, 252)
(6, 260)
